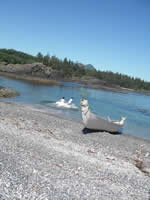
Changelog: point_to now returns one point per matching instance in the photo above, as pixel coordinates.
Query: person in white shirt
(63, 100)
(70, 101)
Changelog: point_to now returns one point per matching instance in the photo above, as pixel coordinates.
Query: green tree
(46, 59)
(40, 57)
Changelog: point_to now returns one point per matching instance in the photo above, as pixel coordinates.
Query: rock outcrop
(8, 92)
(34, 69)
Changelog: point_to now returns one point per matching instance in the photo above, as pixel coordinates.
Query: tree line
(72, 69)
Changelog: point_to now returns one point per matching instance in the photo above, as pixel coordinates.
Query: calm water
(134, 106)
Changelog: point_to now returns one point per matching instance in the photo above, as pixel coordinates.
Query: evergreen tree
(46, 60)
(40, 57)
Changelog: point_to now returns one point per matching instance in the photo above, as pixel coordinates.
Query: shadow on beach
(89, 131)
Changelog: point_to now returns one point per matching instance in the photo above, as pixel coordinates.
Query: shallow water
(134, 106)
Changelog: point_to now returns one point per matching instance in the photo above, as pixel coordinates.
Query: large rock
(8, 92)
(34, 69)
(41, 70)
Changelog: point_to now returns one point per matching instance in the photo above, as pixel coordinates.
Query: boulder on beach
(8, 92)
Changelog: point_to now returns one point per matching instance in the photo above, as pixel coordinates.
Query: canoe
(95, 122)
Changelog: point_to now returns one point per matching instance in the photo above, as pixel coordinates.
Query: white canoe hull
(95, 122)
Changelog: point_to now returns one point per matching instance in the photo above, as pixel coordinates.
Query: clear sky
(112, 35)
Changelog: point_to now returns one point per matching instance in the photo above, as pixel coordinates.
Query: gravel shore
(44, 157)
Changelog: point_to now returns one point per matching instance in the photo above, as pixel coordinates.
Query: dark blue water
(134, 106)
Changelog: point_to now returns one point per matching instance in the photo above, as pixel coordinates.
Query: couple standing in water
(64, 101)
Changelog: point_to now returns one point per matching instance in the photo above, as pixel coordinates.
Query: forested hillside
(16, 57)
(73, 69)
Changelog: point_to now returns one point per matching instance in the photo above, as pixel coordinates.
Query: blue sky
(112, 35)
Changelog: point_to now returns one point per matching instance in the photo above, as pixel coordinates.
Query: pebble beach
(44, 156)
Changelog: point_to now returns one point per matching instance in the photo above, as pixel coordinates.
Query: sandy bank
(46, 157)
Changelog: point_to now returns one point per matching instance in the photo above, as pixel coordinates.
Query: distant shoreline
(54, 68)
(87, 83)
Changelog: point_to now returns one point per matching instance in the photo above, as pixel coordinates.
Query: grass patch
(33, 79)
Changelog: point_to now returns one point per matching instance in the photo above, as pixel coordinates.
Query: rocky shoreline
(44, 156)
(40, 73)
(36, 80)
(35, 72)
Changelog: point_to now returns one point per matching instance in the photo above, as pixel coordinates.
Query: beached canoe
(95, 122)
